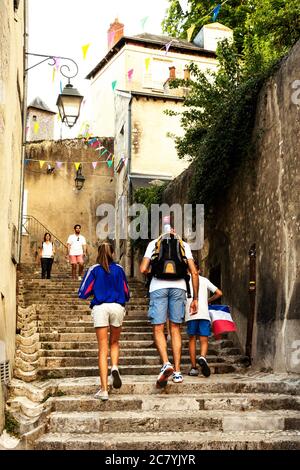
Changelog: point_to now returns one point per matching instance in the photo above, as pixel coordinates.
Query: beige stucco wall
(11, 96)
(153, 151)
(133, 57)
(53, 199)
(45, 128)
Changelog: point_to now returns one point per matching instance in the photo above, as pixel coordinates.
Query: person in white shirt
(168, 297)
(198, 324)
(76, 251)
(47, 253)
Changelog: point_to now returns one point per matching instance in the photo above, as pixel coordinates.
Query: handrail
(28, 217)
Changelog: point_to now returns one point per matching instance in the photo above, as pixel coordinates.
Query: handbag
(221, 319)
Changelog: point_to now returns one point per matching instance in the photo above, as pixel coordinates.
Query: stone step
(190, 440)
(91, 329)
(81, 371)
(138, 345)
(158, 421)
(57, 361)
(88, 322)
(124, 352)
(205, 401)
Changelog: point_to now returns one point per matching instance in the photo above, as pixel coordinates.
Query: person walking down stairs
(76, 251)
(47, 253)
(107, 282)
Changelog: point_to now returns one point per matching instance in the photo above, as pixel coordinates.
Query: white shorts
(108, 314)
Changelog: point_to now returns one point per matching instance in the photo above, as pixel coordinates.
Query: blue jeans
(164, 300)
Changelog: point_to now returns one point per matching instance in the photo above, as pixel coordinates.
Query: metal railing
(35, 230)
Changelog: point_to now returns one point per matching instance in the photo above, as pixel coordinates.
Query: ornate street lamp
(69, 100)
(79, 179)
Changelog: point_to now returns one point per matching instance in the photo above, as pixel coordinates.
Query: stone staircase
(235, 408)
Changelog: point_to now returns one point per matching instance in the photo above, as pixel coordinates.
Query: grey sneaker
(193, 372)
(115, 380)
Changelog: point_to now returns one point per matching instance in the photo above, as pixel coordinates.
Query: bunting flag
(104, 151)
(114, 84)
(94, 164)
(36, 127)
(129, 74)
(61, 87)
(85, 49)
(143, 21)
(57, 63)
(167, 46)
(147, 63)
(41, 162)
(109, 163)
(26, 162)
(190, 32)
(215, 12)
(53, 74)
(111, 37)
(59, 164)
(77, 165)
(58, 117)
(26, 129)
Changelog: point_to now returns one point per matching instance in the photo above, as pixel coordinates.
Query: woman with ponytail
(107, 283)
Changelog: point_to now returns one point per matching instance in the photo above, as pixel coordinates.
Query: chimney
(186, 74)
(115, 32)
(172, 75)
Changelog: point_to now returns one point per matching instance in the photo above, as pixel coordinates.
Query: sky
(62, 27)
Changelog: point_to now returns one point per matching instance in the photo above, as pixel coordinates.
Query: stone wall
(11, 105)
(262, 207)
(52, 197)
(39, 125)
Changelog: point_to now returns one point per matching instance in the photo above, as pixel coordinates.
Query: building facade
(12, 14)
(39, 121)
(131, 98)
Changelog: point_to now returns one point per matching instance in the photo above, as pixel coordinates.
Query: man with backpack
(168, 260)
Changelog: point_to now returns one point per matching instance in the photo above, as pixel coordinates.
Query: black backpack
(168, 260)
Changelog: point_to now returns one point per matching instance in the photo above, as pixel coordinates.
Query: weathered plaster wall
(262, 207)
(39, 125)
(53, 199)
(11, 97)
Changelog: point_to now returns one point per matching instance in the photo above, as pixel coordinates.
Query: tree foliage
(219, 110)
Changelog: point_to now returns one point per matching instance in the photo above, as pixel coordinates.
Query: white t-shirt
(76, 242)
(202, 314)
(166, 283)
(47, 250)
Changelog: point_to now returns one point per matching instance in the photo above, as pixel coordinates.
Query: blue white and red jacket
(106, 287)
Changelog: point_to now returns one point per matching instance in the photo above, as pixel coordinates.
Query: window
(34, 118)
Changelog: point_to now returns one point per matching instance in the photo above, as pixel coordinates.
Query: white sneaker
(102, 395)
(164, 374)
(177, 377)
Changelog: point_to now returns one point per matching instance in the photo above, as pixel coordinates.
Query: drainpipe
(24, 111)
(130, 195)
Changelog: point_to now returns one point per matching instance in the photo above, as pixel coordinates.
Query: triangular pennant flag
(59, 164)
(111, 37)
(26, 129)
(114, 84)
(41, 162)
(58, 117)
(85, 49)
(190, 32)
(53, 74)
(147, 63)
(57, 63)
(26, 162)
(168, 46)
(104, 151)
(109, 163)
(94, 164)
(216, 11)
(36, 127)
(61, 87)
(143, 21)
(77, 165)
(130, 73)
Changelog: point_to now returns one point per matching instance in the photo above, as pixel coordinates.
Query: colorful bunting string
(114, 84)
(215, 12)
(77, 165)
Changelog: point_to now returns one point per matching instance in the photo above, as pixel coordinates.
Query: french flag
(221, 319)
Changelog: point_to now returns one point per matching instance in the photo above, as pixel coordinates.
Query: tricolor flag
(221, 319)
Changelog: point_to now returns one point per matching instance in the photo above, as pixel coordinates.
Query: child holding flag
(198, 324)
